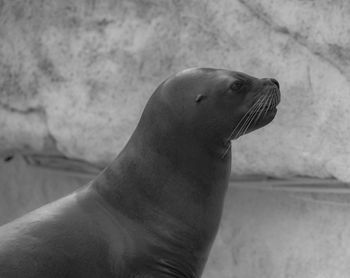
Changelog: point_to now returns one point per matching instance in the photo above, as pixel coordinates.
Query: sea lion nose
(275, 82)
(270, 81)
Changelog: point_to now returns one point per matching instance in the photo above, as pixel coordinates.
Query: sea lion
(154, 212)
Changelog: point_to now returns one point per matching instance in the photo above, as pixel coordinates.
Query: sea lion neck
(156, 173)
(180, 200)
(159, 168)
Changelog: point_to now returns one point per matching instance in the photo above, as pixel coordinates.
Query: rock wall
(75, 75)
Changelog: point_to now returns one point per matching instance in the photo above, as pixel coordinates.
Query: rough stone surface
(75, 75)
(271, 234)
(267, 234)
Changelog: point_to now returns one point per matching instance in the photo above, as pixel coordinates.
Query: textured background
(75, 75)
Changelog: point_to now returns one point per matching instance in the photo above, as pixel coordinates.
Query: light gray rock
(75, 75)
(272, 234)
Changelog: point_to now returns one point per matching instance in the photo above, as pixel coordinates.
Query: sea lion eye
(238, 84)
(200, 97)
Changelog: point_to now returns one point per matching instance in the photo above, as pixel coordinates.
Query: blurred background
(76, 75)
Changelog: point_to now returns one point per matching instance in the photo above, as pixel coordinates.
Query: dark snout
(272, 88)
(275, 82)
(271, 81)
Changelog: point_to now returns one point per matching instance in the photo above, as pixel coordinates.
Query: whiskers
(257, 111)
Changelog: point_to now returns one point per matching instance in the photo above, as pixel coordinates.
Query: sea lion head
(212, 105)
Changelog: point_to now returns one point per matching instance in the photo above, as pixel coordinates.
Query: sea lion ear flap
(200, 97)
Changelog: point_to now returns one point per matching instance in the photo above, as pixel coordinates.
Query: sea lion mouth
(267, 109)
(260, 113)
(266, 103)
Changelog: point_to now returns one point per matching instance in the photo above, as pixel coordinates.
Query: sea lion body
(155, 211)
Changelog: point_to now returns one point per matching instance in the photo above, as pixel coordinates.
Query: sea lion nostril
(275, 82)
